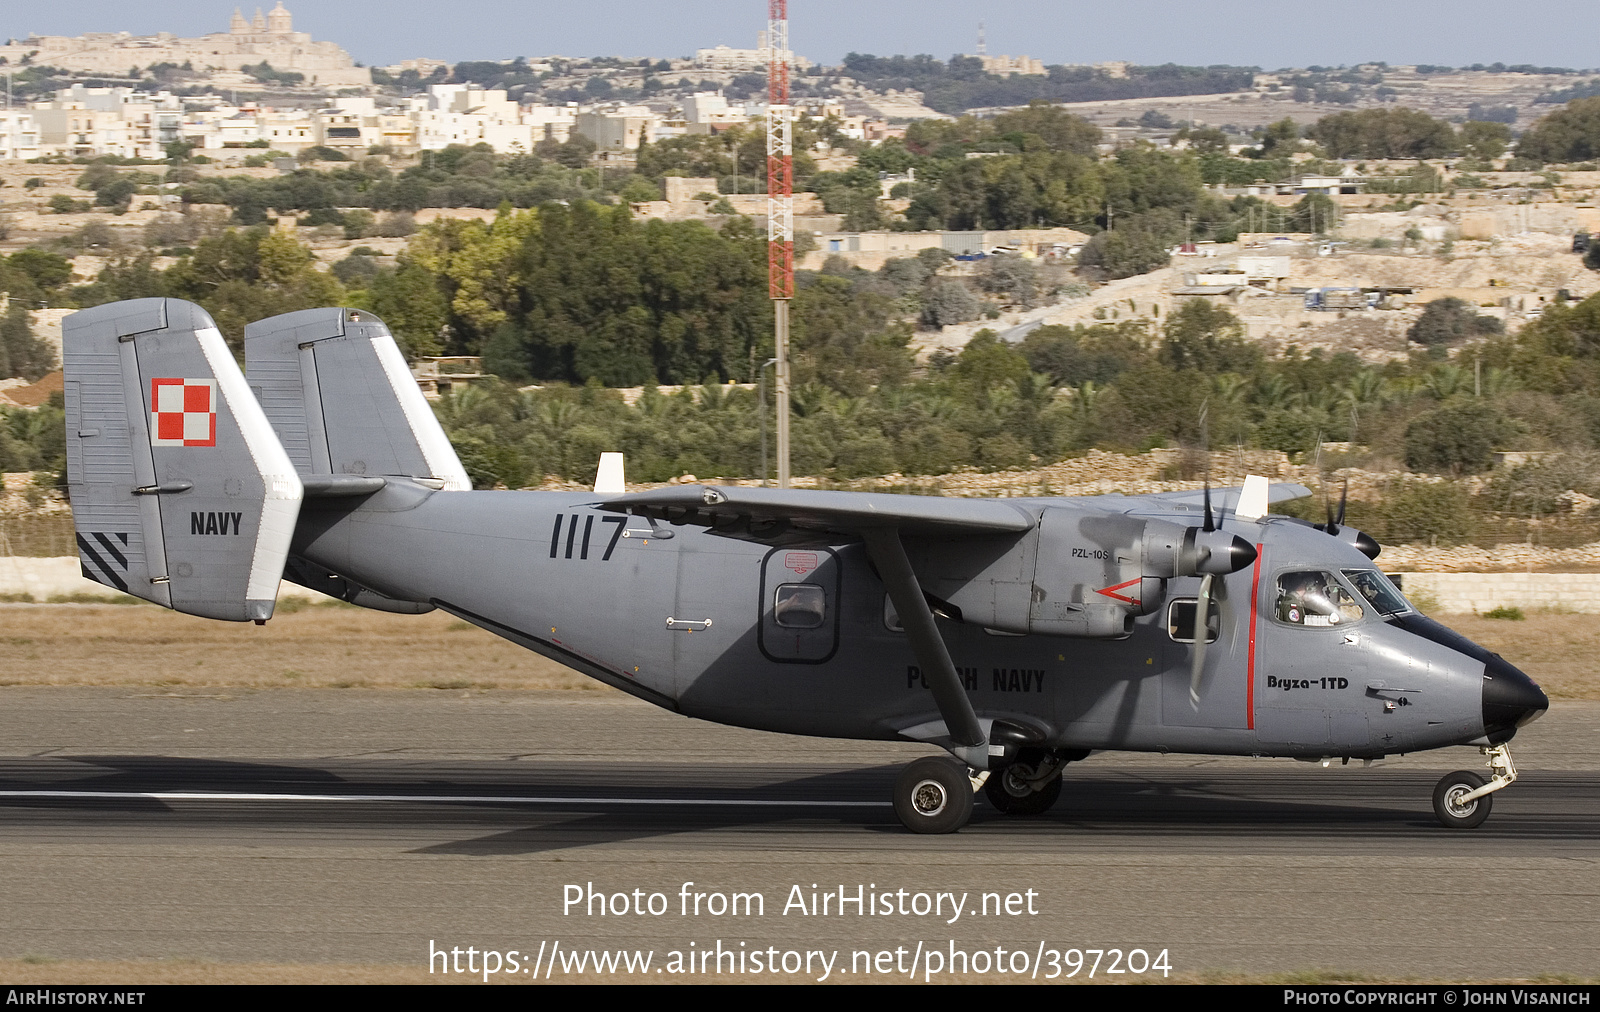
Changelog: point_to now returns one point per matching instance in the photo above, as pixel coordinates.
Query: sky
(1557, 33)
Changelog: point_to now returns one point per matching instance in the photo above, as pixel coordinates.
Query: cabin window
(1315, 598)
(1180, 621)
(800, 606)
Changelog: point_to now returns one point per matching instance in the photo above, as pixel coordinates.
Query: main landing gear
(1462, 799)
(935, 794)
(1032, 784)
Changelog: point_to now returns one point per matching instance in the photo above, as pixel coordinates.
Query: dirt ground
(314, 646)
(341, 647)
(1560, 652)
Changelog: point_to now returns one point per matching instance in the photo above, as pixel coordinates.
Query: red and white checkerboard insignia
(183, 412)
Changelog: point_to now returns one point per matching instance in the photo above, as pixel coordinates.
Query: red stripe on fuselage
(1250, 679)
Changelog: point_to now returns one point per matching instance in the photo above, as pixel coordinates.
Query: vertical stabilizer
(181, 494)
(337, 390)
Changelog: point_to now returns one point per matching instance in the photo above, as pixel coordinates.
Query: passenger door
(799, 601)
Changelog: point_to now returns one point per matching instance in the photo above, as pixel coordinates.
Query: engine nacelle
(1361, 541)
(1094, 572)
(1080, 573)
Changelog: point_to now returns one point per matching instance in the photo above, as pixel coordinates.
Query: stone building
(268, 38)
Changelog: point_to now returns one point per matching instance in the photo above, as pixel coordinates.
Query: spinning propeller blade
(1201, 634)
(1335, 521)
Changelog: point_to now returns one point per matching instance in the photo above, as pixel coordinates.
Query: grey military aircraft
(1017, 635)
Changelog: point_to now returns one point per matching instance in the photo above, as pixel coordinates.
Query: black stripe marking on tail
(122, 560)
(107, 571)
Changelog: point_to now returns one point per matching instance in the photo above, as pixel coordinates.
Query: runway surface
(356, 827)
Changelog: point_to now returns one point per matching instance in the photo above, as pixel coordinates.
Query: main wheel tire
(1450, 811)
(1008, 791)
(933, 795)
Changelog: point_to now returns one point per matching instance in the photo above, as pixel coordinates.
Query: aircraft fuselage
(800, 639)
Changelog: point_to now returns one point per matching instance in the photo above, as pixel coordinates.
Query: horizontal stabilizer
(334, 486)
(181, 494)
(314, 577)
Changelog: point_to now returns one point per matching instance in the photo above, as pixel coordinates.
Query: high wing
(1222, 498)
(784, 516)
(778, 515)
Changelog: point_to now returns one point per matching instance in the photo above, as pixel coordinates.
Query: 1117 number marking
(580, 542)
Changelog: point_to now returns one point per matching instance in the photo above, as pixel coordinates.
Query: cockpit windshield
(1315, 598)
(1378, 591)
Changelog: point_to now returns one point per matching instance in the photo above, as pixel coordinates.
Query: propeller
(1201, 633)
(1359, 540)
(1209, 552)
(1334, 522)
(1202, 605)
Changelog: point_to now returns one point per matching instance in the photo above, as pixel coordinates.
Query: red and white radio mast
(780, 212)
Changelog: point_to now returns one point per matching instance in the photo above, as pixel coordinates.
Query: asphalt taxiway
(357, 826)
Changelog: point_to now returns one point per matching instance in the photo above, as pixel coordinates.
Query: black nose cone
(1510, 700)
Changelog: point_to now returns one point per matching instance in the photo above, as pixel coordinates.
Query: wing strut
(968, 742)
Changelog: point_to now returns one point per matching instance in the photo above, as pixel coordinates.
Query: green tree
(1570, 134)
(1420, 511)
(1383, 133)
(21, 353)
(1458, 439)
(1016, 277)
(409, 301)
(1484, 140)
(1448, 320)
(1280, 138)
(948, 301)
(987, 362)
(1139, 244)
(48, 271)
(1202, 336)
(1043, 124)
(1073, 356)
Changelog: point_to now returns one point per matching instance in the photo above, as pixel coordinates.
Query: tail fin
(338, 392)
(181, 494)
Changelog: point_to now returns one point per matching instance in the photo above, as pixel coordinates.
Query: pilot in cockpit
(1311, 599)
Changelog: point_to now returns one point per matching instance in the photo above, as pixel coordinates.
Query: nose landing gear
(1462, 800)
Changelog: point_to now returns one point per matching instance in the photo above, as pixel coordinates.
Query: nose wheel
(1454, 807)
(1462, 799)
